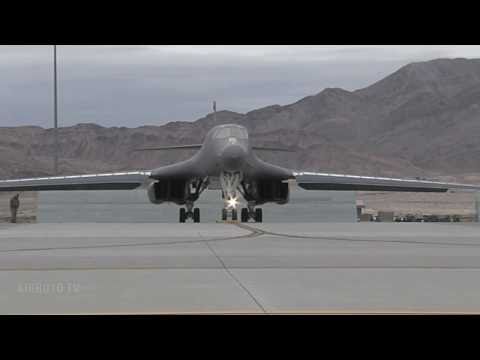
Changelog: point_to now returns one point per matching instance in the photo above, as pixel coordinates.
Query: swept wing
(325, 181)
(109, 181)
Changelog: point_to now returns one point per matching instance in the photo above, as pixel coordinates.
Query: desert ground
(462, 204)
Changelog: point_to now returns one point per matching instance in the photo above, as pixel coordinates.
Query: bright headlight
(232, 202)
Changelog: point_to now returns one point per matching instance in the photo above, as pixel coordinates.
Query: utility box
(366, 217)
(385, 216)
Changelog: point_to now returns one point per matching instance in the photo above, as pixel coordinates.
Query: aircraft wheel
(244, 215)
(234, 215)
(258, 215)
(196, 215)
(183, 215)
(224, 214)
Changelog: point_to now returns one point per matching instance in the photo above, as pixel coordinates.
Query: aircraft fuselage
(227, 149)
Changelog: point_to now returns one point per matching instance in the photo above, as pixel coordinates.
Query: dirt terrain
(450, 203)
(462, 204)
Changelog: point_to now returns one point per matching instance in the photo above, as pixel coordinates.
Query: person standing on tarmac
(14, 205)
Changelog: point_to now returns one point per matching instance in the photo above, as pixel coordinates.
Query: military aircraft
(227, 155)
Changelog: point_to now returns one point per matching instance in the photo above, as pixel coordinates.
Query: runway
(113, 268)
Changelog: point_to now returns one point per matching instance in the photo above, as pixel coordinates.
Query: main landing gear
(195, 215)
(189, 212)
(251, 213)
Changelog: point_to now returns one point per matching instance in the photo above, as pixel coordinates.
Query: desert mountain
(423, 120)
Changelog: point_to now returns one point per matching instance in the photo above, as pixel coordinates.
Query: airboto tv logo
(42, 288)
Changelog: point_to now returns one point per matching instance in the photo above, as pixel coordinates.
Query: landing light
(233, 202)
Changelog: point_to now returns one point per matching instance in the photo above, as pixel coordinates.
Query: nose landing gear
(230, 183)
(232, 212)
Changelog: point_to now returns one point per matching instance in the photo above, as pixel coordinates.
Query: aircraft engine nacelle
(175, 191)
(272, 191)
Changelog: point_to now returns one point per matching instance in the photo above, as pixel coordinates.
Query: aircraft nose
(233, 157)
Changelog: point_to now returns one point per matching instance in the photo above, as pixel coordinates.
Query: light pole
(55, 105)
(477, 205)
(215, 112)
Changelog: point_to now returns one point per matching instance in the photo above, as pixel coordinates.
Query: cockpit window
(223, 133)
(227, 132)
(239, 133)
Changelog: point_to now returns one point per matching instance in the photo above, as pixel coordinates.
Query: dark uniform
(14, 205)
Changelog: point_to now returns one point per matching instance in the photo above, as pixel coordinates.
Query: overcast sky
(152, 85)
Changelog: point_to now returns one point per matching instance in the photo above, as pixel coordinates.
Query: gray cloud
(137, 85)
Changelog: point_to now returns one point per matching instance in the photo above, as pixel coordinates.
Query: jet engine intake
(264, 191)
(175, 191)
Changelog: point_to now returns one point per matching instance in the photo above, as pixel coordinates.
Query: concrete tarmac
(227, 268)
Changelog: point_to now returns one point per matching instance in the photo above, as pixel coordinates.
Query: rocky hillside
(422, 120)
